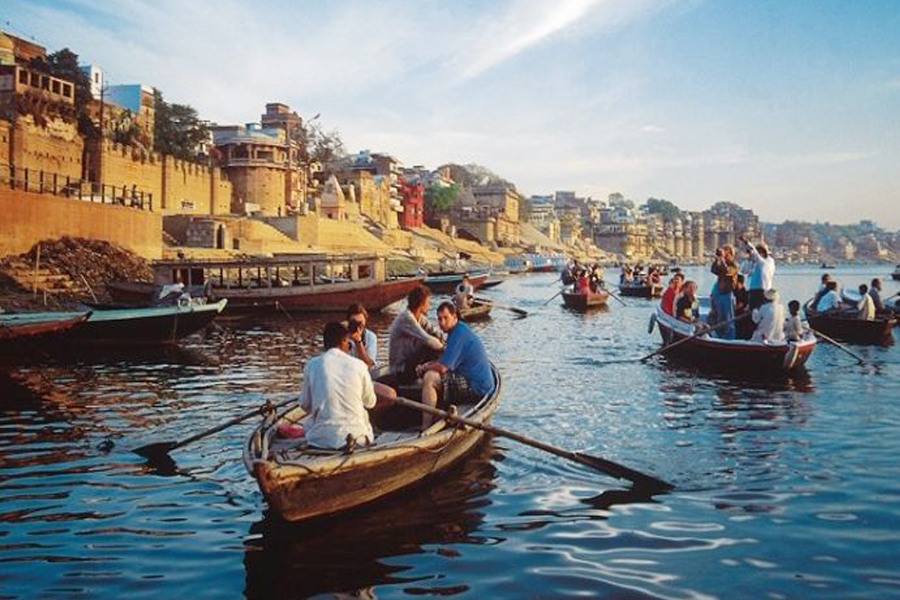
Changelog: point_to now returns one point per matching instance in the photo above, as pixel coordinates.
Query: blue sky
(789, 107)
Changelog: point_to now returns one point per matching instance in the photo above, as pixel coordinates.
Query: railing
(65, 186)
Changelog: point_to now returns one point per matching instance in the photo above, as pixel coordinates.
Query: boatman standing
(762, 273)
(337, 390)
(463, 373)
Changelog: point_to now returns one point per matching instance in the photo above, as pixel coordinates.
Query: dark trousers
(756, 298)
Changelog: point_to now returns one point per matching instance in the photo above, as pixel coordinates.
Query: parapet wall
(56, 148)
(29, 218)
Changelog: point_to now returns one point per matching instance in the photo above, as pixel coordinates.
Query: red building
(413, 214)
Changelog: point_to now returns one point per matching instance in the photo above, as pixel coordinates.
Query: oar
(836, 343)
(160, 449)
(695, 336)
(553, 296)
(513, 309)
(601, 464)
(609, 291)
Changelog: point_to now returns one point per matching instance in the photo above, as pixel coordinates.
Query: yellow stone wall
(29, 218)
(264, 186)
(56, 148)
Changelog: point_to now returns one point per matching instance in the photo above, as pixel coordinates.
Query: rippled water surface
(786, 487)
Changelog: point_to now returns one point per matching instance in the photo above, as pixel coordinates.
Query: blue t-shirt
(465, 354)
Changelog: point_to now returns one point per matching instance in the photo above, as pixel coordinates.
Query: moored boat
(37, 328)
(319, 283)
(844, 325)
(445, 283)
(132, 326)
(746, 356)
(584, 301)
(640, 290)
(476, 311)
(301, 483)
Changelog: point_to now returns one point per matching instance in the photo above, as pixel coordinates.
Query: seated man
(875, 293)
(687, 309)
(463, 372)
(769, 319)
(464, 293)
(866, 306)
(337, 390)
(364, 346)
(413, 340)
(668, 297)
(830, 300)
(793, 326)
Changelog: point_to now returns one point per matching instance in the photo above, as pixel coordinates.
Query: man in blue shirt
(463, 373)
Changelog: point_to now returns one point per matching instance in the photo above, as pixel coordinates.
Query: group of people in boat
(871, 305)
(743, 302)
(636, 276)
(584, 279)
(338, 390)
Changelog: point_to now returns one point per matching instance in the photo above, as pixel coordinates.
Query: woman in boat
(413, 340)
(463, 373)
(672, 291)
(726, 271)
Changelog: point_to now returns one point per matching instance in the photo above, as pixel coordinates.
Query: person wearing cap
(769, 319)
(762, 272)
(337, 390)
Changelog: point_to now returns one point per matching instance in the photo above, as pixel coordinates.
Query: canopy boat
(640, 290)
(845, 325)
(37, 327)
(132, 326)
(583, 302)
(445, 283)
(476, 311)
(299, 482)
(743, 355)
(302, 283)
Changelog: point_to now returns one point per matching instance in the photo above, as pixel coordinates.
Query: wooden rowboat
(41, 327)
(131, 326)
(301, 483)
(745, 356)
(640, 290)
(583, 302)
(476, 311)
(846, 326)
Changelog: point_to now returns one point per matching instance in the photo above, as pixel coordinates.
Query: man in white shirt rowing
(337, 390)
(769, 319)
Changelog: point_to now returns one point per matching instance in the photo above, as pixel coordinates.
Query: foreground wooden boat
(640, 290)
(132, 326)
(476, 311)
(300, 483)
(583, 302)
(319, 283)
(445, 283)
(42, 327)
(746, 356)
(847, 327)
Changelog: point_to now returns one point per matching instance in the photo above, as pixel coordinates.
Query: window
(35, 80)
(23, 77)
(55, 86)
(45, 82)
(67, 90)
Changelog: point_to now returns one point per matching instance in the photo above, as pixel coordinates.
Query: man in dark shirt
(686, 308)
(463, 372)
(726, 269)
(744, 327)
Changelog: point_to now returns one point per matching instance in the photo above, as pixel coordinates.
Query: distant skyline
(791, 108)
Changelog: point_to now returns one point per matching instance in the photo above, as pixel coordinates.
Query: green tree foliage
(64, 65)
(439, 199)
(525, 207)
(177, 129)
(663, 207)
(617, 200)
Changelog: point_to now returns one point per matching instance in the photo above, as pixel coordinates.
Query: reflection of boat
(37, 327)
(640, 290)
(584, 301)
(476, 311)
(133, 326)
(315, 283)
(445, 283)
(846, 326)
(300, 483)
(744, 355)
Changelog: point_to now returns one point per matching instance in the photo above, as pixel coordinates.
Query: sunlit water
(786, 488)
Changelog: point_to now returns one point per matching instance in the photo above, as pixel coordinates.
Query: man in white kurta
(337, 390)
(770, 319)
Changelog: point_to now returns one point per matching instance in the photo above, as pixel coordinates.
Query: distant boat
(583, 302)
(827, 266)
(640, 290)
(476, 311)
(445, 283)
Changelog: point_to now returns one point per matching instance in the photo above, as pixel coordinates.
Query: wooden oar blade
(647, 482)
(156, 450)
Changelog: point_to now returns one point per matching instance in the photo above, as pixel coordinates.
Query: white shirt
(763, 273)
(337, 390)
(793, 328)
(770, 322)
(866, 307)
(830, 300)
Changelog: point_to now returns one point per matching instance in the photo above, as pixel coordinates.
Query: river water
(786, 487)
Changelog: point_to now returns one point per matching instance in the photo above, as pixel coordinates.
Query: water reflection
(350, 553)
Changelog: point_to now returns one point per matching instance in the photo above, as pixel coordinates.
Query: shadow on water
(347, 553)
(796, 380)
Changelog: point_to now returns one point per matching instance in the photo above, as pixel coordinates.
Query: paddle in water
(642, 480)
(516, 311)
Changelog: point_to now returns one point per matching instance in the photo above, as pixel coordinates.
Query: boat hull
(739, 355)
(345, 481)
(446, 284)
(584, 302)
(15, 332)
(640, 291)
(878, 331)
(476, 312)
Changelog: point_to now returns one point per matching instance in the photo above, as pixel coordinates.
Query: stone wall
(29, 218)
(56, 148)
(263, 186)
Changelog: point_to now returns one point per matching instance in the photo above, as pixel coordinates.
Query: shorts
(456, 391)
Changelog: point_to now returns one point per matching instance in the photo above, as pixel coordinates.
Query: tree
(669, 211)
(439, 199)
(64, 65)
(525, 208)
(177, 129)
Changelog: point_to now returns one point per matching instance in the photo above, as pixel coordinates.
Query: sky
(788, 107)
